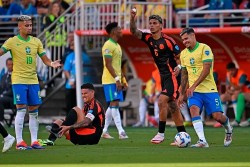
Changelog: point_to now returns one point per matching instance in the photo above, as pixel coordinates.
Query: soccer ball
(182, 139)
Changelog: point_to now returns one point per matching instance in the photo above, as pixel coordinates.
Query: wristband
(117, 78)
(51, 64)
(179, 66)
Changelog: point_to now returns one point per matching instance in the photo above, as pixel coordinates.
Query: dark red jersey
(163, 51)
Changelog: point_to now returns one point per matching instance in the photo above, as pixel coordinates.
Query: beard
(29, 33)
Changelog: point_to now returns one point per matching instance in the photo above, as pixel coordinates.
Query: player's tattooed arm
(204, 73)
(81, 124)
(184, 80)
(133, 27)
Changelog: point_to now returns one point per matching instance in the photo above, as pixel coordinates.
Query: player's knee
(224, 97)
(33, 113)
(172, 106)
(58, 122)
(32, 108)
(21, 106)
(77, 109)
(218, 116)
(161, 102)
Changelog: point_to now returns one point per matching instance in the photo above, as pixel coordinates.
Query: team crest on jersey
(207, 52)
(161, 46)
(18, 97)
(177, 47)
(106, 51)
(192, 61)
(27, 50)
(90, 111)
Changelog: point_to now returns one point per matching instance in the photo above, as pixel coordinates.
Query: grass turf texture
(137, 150)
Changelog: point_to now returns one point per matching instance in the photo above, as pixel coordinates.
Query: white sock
(108, 119)
(142, 110)
(198, 127)
(117, 119)
(235, 107)
(33, 125)
(19, 120)
(203, 115)
(185, 112)
(7, 137)
(161, 134)
(227, 126)
(224, 107)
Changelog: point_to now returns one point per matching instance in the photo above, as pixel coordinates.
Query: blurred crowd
(46, 8)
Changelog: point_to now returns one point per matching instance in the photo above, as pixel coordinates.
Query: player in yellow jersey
(24, 49)
(197, 71)
(112, 79)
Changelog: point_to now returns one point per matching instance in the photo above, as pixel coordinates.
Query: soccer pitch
(136, 151)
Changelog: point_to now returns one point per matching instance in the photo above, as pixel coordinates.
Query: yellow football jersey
(193, 61)
(24, 53)
(113, 50)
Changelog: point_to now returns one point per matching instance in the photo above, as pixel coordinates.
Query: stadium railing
(95, 16)
(56, 53)
(9, 28)
(219, 18)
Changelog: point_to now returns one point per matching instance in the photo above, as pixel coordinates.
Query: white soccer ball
(182, 139)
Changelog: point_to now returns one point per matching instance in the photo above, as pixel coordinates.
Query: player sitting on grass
(80, 126)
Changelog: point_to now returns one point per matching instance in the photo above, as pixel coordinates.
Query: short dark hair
(231, 65)
(156, 17)
(187, 30)
(109, 27)
(9, 59)
(24, 18)
(88, 86)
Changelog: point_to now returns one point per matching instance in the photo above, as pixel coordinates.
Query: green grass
(137, 150)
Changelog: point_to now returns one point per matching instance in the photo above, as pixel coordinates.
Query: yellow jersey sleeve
(40, 50)
(107, 50)
(7, 45)
(111, 49)
(207, 55)
(182, 59)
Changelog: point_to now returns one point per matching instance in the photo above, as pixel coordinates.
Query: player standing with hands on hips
(24, 49)
(197, 72)
(165, 53)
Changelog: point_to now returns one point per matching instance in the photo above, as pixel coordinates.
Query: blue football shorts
(28, 94)
(211, 102)
(111, 93)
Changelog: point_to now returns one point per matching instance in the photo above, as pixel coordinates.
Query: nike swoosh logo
(18, 44)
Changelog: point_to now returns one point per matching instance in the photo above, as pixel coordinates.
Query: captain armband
(90, 116)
